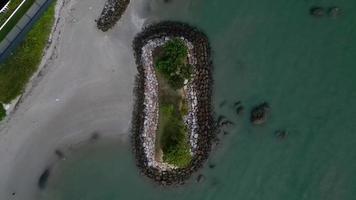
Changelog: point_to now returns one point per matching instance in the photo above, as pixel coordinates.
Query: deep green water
(263, 51)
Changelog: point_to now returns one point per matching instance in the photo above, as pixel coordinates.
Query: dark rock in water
(317, 11)
(95, 136)
(223, 103)
(226, 133)
(237, 103)
(200, 178)
(42, 181)
(239, 110)
(167, 1)
(59, 154)
(226, 123)
(221, 118)
(13, 194)
(212, 166)
(259, 113)
(215, 182)
(281, 134)
(334, 11)
(216, 140)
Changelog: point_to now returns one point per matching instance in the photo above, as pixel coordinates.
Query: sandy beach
(84, 86)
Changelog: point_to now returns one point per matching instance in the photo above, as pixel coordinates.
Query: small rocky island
(172, 119)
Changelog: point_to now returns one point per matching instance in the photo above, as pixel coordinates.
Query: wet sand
(84, 87)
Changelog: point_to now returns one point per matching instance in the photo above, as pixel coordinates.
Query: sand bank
(84, 86)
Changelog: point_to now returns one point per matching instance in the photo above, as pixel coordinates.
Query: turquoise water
(263, 51)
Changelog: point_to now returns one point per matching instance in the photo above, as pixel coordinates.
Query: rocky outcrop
(259, 113)
(334, 11)
(112, 12)
(317, 11)
(199, 95)
(43, 179)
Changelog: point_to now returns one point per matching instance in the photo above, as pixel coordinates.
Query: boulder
(317, 11)
(259, 113)
(334, 11)
(43, 179)
(281, 134)
(200, 178)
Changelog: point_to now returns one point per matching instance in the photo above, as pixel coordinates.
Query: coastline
(202, 81)
(73, 95)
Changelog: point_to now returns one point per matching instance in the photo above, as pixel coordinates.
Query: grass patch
(18, 68)
(2, 112)
(13, 21)
(172, 134)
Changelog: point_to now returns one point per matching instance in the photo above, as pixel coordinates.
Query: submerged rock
(226, 123)
(222, 104)
(200, 178)
(334, 11)
(317, 11)
(59, 154)
(239, 110)
(94, 136)
(42, 181)
(259, 113)
(281, 134)
(221, 118)
(237, 103)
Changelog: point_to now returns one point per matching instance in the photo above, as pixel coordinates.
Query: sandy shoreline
(85, 85)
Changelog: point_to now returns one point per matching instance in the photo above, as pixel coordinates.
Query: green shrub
(174, 140)
(172, 63)
(2, 112)
(173, 70)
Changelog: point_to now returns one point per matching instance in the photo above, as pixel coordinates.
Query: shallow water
(275, 52)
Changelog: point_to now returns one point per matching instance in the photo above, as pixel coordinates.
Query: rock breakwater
(199, 90)
(112, 12)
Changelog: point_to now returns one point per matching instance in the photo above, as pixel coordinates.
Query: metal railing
(13, 13)
(19, 31)
(5, 7)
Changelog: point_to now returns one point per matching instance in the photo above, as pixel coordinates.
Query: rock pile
(317, 11)
(112, 12)
(259, 113)
(199, 92)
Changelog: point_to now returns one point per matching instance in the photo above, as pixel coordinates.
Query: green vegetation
(13, 21)
(2, 112)
(174, 141)
(18, 68)
(172, 132)
(172, 63)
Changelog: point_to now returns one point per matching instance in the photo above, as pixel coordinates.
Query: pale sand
(85, 87)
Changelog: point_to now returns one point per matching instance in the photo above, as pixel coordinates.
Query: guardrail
(19, 31)
(13, 13)
(5, 7)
